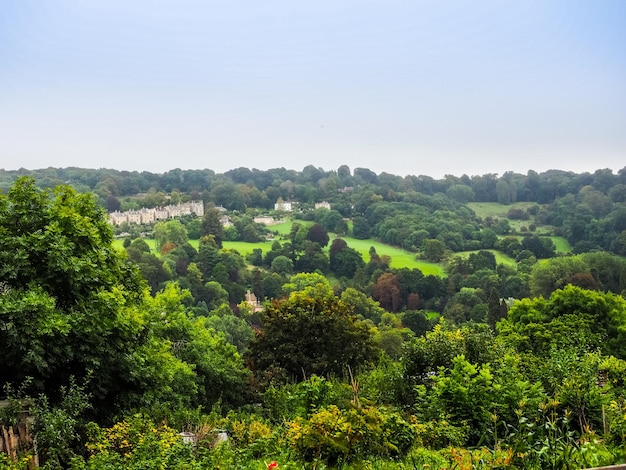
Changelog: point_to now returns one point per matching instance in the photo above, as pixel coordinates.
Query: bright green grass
(501, 211)
(399, 258)
(282, 228)
(495, 209)
(245, 248)
(561, 244)
(501, 258)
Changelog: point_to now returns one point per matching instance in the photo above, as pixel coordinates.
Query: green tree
(573, 318)
(460, 193)
(309, 333)
(363, 306)
(282, 265)
(212, 225)
(71, 304)
(541, 247)
(152, 268)
(344, 261)
(216, 295)
(171, 231)
(416, 321)
(434, 250)
(141, 245)
(218, 373)
(312, 283)
(360, 228)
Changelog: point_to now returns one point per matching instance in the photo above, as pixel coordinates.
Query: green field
(399, 258)
(495, 209)
(283, 228)
(500, 211)
(561, 244)
(245, 248)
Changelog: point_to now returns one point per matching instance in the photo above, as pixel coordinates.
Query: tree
(317, 234)
(540, 247)
(71, 304)
(341, 227)
(344, 261)
(572, 318)
(497, 309)
(416, 321)
(360, 228)
(218, 370)
(140, 244)
(425, 355)
(171, 231)
(347, 262)
(309, 334)
(434, 250)
(216, 295)
(363, 306)
(152, 268)
(387, 292)
(343, 171)
(482, 260)
(212, 225)
(460, 193)
(313, 283)
(282, 265)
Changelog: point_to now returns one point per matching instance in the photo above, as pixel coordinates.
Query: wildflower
(272, 465)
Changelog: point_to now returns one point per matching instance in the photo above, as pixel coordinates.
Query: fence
(16, 439)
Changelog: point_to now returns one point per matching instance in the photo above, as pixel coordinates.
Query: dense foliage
(506, 362)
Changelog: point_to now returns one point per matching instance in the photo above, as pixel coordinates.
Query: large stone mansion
(150, 216)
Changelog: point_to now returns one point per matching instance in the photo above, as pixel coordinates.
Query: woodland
(497, 339)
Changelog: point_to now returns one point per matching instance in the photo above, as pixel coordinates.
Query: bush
(138, 443)
(335, 435)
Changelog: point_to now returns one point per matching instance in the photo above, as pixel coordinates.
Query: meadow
(399, 258)
(500, 211)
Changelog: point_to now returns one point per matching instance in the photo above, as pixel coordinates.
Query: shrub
(334, 435)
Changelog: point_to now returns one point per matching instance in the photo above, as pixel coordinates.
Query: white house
(322, 205)
(285, 206)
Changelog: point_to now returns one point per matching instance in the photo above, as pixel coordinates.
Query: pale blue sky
(427, 87)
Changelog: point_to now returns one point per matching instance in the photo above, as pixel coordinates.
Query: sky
(408, 87)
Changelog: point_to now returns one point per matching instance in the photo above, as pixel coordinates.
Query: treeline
(312, 184)
(588, 209)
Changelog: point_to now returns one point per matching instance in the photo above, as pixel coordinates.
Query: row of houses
(150, 216)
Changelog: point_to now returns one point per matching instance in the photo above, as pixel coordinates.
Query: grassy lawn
(562, 245)
(284, 227)
(495, 209)
(500, 211)
(399, 258)
(245, 248)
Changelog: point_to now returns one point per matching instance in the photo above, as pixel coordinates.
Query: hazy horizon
(404, 87)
